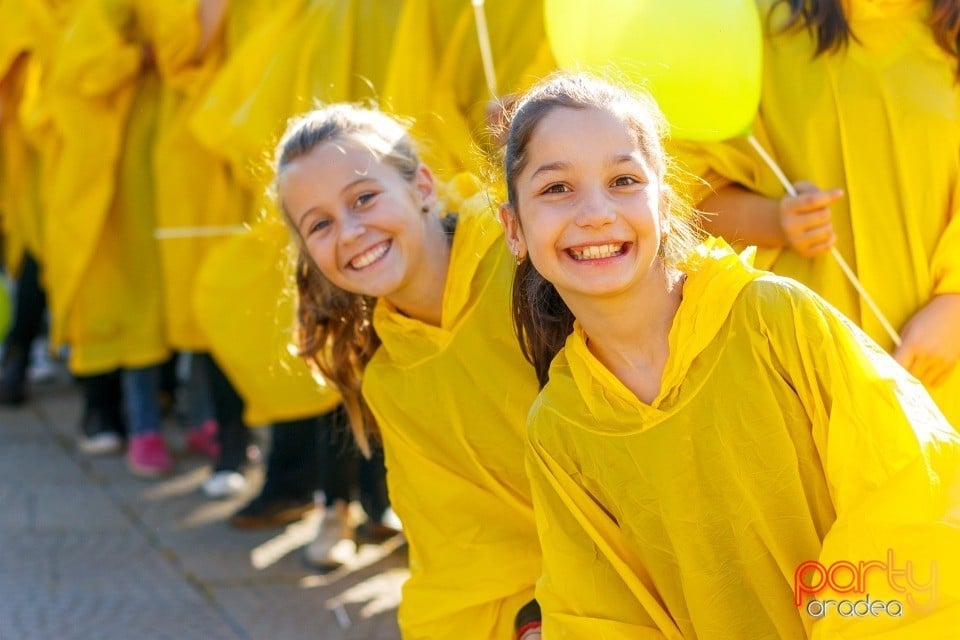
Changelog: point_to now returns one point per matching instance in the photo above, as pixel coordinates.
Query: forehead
(579, 133)
(330, 167)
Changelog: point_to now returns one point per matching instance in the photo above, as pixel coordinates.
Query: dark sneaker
(265, 512)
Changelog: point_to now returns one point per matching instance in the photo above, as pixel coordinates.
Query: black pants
(316, 453)
(29, 305)
(233, 434)
(103, 403)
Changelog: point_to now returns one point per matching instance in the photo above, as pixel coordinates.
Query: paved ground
(87, 551)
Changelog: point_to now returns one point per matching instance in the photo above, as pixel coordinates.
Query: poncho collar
(715, 277)
(408, 340)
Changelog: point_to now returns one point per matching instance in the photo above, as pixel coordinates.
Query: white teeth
(596, 252)
(370, 256)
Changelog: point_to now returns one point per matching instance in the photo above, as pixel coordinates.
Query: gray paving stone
(38, 462)
(272, 612)
(221, 554)
(21, 424)
(87, 551)
(64, 507)
(87, 613)
(26, 559)
(17, 507)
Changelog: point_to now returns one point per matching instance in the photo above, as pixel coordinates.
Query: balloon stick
(847, 271)
(486, 53)
(170, 233)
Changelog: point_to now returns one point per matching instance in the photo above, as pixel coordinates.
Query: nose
(595, 210)
(352, 228)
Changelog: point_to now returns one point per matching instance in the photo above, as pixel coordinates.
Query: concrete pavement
(87, 551)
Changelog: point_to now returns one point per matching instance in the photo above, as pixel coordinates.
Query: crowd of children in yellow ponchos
(136, 135)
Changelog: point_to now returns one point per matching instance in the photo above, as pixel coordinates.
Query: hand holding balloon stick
(705, 98)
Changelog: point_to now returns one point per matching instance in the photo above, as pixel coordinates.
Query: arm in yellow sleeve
(99, 54)
(892, 464)
(580, 586)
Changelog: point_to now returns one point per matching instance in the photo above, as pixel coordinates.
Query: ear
(512, 231)
(425, 186)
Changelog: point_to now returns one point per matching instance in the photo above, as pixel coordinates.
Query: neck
(421, 298)
(630, 333)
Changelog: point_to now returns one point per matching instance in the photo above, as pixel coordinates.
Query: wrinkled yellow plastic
(244, 298)
(450, 402)
(100, 257)
(780, 435)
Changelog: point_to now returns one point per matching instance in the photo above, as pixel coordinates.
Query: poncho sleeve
(891, 462)
(580, 586)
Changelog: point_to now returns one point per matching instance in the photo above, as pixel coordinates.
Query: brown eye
(625, 181)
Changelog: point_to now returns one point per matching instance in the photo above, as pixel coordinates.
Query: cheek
(323, 254)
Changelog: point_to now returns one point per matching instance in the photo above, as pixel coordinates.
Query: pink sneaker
(203, 439)
(147, 456)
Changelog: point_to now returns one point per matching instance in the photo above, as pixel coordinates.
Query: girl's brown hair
(334, 328)
(826, 19)
(541, 317)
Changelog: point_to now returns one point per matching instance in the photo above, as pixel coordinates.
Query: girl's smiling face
(362, 222)
(588, 203)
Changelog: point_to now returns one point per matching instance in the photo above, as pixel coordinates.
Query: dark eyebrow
(550, 166)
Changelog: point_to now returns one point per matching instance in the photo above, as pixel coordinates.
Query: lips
(597, 251)
(369, 256)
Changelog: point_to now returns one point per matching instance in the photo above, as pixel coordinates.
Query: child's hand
(805, 219)
(930, 345)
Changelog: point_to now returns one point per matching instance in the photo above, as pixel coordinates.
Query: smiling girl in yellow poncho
(705, 428)
(409, 319)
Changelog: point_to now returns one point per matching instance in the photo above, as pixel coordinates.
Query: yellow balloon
(4, 311)
(700, 59)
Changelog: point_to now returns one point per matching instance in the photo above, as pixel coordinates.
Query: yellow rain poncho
(19, 164)
(450, 402)
(780, 435)
(103, 272)
(245, 303)
(35, 139)
(197, 198)
(881, 119)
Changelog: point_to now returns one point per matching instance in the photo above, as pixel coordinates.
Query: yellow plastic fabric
(195, 190)
(46, 25)
(880, 119)
(450, 402)
(19, 213)
(19, 165)
(244, 298)
(780, 435)
(101, 258)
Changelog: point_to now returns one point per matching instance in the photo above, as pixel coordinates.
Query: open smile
(598, 251)
(371, 256)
